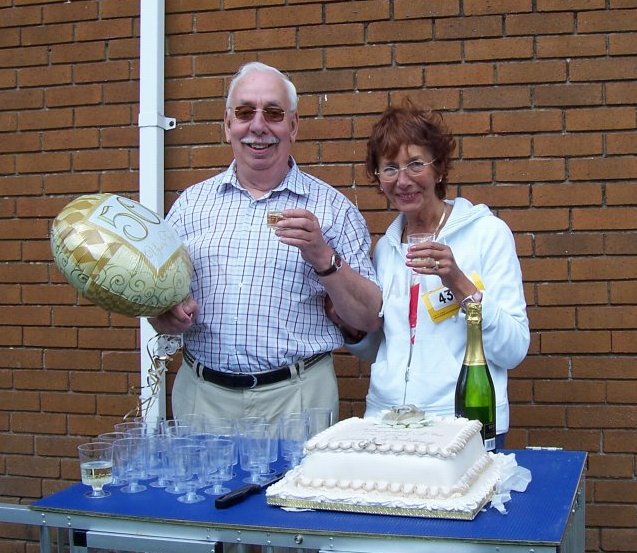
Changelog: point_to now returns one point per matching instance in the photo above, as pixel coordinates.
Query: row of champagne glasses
(194, 452)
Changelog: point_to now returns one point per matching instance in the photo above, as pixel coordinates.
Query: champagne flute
(132, 456)
(294, 433)
(255, 451)
(110, 437)
(220, 456)
(189, 462)
(414, 293)
(319, 419)
(96, 467)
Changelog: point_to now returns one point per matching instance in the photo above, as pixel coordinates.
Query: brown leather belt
(249, 380)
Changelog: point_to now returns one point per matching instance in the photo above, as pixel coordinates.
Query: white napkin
(512, 478)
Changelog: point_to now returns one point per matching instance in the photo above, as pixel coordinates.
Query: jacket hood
(462, 214)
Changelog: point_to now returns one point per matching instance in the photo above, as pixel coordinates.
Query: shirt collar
(293, 180)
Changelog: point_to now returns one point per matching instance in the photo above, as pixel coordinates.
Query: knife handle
(235, 496)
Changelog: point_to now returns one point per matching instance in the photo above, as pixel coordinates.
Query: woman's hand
(434, 258)
(352, 335)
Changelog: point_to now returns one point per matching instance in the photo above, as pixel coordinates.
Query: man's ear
(226, 123)
(294, 126)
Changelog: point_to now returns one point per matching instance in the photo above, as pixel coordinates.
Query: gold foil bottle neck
(473, 313)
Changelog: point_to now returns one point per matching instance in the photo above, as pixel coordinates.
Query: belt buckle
(255, 382)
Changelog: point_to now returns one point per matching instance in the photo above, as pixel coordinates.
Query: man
(257, 338)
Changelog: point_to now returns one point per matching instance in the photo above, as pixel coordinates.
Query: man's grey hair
(255, 66)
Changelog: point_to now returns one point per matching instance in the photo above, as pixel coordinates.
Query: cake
(402, 463)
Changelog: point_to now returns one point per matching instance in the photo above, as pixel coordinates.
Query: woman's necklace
(442, 220)
(438, 226)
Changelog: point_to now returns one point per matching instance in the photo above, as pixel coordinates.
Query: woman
(471, 258)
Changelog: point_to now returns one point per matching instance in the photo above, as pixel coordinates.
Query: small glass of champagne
(272, 217)
(419, 238)
(96, 467)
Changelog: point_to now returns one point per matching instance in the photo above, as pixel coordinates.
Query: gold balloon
(121, 255)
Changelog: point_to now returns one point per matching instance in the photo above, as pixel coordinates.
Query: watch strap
(335, 265)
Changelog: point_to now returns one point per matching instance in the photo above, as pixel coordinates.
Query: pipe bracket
(156, 120)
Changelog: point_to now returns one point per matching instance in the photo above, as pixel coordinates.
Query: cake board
(478, 496)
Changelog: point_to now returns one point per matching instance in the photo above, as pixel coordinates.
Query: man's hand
(178, 319)
(300, 228)
(356, 300)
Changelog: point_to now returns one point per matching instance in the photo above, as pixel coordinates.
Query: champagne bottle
(475, 394)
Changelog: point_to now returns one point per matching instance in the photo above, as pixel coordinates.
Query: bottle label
(489, 444)
(442, 304)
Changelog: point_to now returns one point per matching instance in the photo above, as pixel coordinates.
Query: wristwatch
(476, 297)
(335, 265)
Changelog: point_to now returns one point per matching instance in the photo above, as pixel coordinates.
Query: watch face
(338, 262)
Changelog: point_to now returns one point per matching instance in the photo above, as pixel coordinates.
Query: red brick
(560, 194)
(475, 74)
(366, 10)
(552, 391)
(606, 21)
(604, 168)
(359, 56)
(498, 196)
(536, 219)
(621, 44)
(551, 318)
(508, 97)
(621, 143)
(24, 99)
(496, 146)
(572, 293)
(401, 30)
(76, 11)
(576, 341)
(537, 121)
(292, 16)
(74, 96)
(564, 46)
(300, 60)
(263, 39)
(569, 95)
(623, 292)
(20, 16)
(616, 218)
(105, 29)
(622, 68)
(24, 57)
(230, 20)
(75, 53)
(539, 24)
(571, 439)
(429, 52)
(530, 170)
(532, 72)
(568, 145)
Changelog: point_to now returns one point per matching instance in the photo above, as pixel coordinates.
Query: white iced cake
(395, 465)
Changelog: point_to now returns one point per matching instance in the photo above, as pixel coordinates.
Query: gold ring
(437, 266)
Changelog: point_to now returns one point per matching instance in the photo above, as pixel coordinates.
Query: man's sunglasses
(271, 114)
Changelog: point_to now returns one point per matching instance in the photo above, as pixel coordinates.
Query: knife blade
(236, 496)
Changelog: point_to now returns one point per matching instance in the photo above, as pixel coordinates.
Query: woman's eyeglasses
(271, 114)
(413, 168)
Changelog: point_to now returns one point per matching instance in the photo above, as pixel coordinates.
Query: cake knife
(236, 496)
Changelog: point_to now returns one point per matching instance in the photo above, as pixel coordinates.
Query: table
(548, 517)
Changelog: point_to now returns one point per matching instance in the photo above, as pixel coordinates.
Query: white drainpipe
(152, 125)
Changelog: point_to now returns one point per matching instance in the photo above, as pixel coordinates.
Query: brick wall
(541, 95)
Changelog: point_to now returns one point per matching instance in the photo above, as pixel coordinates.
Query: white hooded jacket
(482, 245)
